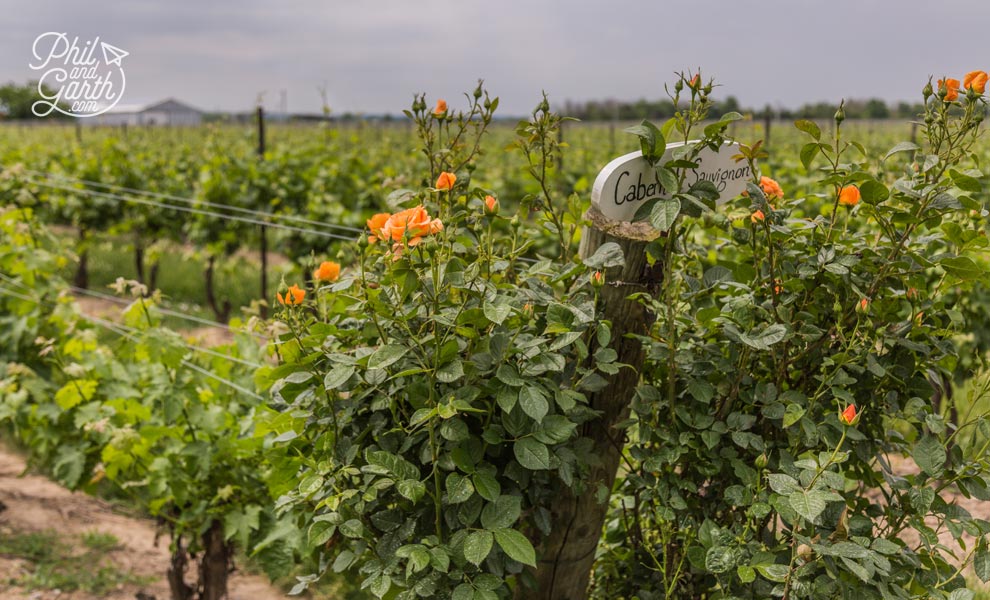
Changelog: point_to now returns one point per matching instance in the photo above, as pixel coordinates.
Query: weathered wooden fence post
(577, 519)
(767, 120)
(264, 230)
(566, 557)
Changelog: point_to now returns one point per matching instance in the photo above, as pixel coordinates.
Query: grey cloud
(374, 56)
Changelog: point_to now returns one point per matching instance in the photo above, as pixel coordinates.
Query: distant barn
(169, 112)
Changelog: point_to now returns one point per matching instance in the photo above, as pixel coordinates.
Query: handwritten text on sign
(629, 181)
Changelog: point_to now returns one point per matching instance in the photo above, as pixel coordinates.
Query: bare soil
(31, 503)
(980, 509)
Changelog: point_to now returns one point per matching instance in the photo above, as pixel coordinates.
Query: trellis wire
(192, 347)
(192, 201)
(161, 309)
(221, 216)
(118, 329)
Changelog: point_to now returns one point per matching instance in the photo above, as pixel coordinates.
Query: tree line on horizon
(620, 110)
(16, 100)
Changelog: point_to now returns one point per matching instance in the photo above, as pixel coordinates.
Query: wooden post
(767, 117)
(567, 555)
(264, 230)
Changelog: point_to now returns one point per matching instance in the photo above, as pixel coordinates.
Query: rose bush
(429, 405)
(794, 375)
(432, 399)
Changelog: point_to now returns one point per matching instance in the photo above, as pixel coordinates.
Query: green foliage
(427, 404)
(16, 100)
(743, 481)
(426, 409)
(167, 425)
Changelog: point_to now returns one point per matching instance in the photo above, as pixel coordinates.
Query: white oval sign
(629, 181)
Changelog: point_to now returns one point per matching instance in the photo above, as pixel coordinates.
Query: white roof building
(168, 112)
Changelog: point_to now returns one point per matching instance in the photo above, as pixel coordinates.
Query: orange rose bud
(441, 107)
(771, 189)
(527, 310)
(849, 195)
(951, 87)
(694, 80)
(757, 217)
(976, 81)
(863, 305)
(293, 297)
(328, 271)
(375, 224)
(597, 279)
(491, 205)
(446, 181)
(848, 415)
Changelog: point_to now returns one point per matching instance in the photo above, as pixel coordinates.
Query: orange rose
(293, 297)
(597, 279)
(375, 224)
(328, 271)
(694, 80)
(771, 189)
(848, 415)
(849, 195)
(491, 205)
(441, 107)
(757, 217)
(951, 88)
(446, 181)
(975, 80)
(864, 305)
(412, 222)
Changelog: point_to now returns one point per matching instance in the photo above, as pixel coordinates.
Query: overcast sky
(372, 56)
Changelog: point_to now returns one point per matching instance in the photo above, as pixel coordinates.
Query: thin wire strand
(10, 292)
(192, 201)
(116, 328)
(227, 382)
(161, 309)
(192, 347)
(211, 204)
(119, 198)
(189, 346)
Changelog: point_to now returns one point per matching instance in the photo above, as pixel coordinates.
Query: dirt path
(33, 503)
